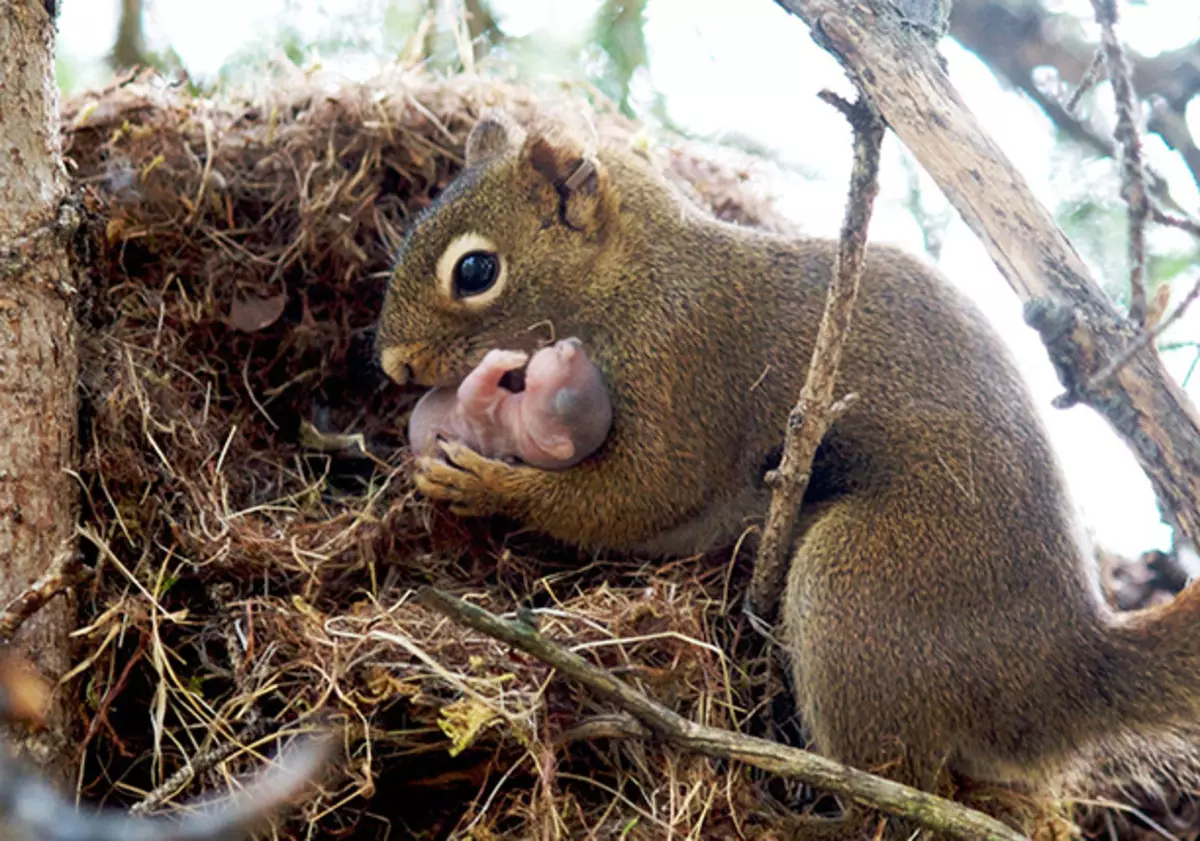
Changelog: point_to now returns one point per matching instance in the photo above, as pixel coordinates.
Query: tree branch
(815, 412)
(877, 792)
(129, 50)
(1078, 324)
(1016, 39)
(64, 572)
(1133, 186)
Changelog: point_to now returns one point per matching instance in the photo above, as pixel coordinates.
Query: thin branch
(1090, 78)
(1145, 339)
(202, 762)
(1133, 187)
(620, 726)
(812, 416)
(1162, 217)
(65, 571)
(937, 813)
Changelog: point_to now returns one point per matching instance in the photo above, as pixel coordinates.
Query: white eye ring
(464, 244)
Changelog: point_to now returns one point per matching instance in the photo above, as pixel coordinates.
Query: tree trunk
(38, 362)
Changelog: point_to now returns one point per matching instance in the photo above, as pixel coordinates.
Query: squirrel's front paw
(472, 484)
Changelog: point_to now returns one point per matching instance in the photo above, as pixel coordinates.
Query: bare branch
(203, 762)
(1090, 78)
(877, 792)
(1147, 338)
(1174, 221)
(811, 417)
(64, 572)
(1014, 39)
(1078, 324)
(1133, 186)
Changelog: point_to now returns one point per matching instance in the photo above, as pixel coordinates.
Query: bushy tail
(1146, 721)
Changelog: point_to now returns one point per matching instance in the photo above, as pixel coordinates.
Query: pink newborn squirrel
(563, 415)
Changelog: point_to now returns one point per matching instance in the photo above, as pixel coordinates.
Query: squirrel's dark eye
(475, 272)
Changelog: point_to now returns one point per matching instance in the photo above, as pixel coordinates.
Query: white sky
(751, 69)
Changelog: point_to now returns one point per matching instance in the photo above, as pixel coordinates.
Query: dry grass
(250, 517)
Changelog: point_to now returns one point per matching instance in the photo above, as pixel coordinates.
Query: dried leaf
(329, 442)
(463, 721)
(253, 314)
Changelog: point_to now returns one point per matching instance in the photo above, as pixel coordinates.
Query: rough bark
(38, 498)
(1079, 325)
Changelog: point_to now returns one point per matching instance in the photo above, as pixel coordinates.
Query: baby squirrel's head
(503, 258)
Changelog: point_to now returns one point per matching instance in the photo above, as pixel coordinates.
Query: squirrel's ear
(494, 134)
(585, 193)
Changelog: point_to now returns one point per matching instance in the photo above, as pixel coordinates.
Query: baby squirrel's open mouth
(513, 380)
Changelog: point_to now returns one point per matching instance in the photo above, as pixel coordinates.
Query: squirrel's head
(502, 258)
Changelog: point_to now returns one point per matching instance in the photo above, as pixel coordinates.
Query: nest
(252, 525)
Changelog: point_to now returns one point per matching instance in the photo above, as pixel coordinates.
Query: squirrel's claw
(473, 485)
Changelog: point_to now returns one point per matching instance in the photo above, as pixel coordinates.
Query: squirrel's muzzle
(425, 363)
(394, 361)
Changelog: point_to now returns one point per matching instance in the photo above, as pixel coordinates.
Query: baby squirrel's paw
(473, 485)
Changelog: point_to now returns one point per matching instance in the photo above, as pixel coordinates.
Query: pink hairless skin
(563, 415)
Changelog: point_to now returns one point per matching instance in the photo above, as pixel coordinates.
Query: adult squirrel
(942, 611)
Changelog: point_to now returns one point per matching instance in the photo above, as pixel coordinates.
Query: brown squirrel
(941, 613)
(560, 417)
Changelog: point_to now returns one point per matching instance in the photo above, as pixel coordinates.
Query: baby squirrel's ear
(586, 198)
(494, 134)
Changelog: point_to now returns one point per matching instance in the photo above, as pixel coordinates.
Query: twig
(876, 792)
(621, 726)
(1174, 221)
(203, 762)
(1146, 338)
(1133, 178)
(64, 572)
(1090, 78)
(810, 419)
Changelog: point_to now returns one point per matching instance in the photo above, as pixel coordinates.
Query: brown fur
(940, 612)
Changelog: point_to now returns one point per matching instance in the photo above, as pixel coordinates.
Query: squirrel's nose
(394, 362)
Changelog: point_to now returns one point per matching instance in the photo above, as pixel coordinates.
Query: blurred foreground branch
(31, 808)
